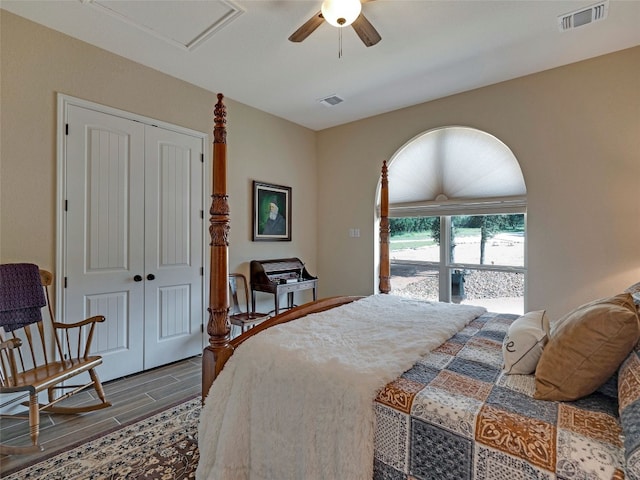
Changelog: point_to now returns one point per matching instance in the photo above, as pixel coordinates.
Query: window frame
(446, 267)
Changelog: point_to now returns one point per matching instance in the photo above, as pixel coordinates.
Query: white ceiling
(429, 49)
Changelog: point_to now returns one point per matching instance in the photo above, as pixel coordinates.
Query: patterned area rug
(163, 446)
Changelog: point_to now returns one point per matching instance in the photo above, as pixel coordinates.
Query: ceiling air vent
(331, 100)
(584, 16)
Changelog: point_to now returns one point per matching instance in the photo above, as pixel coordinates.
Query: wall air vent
(584, 16)
(331, 101)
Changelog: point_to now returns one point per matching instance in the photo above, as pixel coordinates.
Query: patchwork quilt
(454, 415)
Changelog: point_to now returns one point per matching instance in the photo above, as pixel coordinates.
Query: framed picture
(271, 212)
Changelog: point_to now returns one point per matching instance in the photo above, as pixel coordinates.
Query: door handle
(151, 276)
(137, 278)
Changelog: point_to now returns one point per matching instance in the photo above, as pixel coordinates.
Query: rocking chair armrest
(66, 326)
(24, 388)
(11, 343)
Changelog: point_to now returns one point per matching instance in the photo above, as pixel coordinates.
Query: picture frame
(271, 212)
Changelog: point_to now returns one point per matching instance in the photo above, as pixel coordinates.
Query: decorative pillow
(523, 344)
(629, 408)
(586, 347)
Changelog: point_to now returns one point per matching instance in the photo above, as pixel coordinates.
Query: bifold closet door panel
(104, 247)
(173, 246)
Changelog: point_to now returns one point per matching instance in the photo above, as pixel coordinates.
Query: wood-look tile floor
(132, 397)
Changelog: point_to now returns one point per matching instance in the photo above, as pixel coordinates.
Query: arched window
(457, 202)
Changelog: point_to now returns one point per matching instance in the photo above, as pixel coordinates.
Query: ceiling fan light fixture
(341, 13)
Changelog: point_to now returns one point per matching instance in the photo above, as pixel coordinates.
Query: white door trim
(63, 102)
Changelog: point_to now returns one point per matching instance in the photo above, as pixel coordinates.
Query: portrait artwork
(271, 212)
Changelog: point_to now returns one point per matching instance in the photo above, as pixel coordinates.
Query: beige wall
(37, 63)
(575, 131)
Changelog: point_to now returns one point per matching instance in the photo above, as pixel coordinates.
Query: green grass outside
(411, 240)
(423, 239)
(410, 244)
(422, 236)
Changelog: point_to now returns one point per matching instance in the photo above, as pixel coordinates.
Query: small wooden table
(287, 275)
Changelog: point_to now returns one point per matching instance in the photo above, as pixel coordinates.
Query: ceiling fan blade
(307, 28)
(367, 33)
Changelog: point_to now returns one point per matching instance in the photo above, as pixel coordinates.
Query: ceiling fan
(340, 13)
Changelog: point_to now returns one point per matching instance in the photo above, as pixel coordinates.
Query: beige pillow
(586, 347)
(524, 342)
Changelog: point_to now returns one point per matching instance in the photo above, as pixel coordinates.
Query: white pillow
(524, 342)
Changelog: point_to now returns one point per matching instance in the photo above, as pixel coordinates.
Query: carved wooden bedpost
(385, 265)
(218, 327)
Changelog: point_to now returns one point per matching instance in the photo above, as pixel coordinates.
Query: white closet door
(104, 234)
(133, 239)
(173, 246)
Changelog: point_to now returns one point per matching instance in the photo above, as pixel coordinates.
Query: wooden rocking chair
(30, 363)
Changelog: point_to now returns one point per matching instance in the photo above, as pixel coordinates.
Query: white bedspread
(296, 401)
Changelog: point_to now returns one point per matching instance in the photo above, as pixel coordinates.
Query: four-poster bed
(385, 387)
(221, 346)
